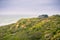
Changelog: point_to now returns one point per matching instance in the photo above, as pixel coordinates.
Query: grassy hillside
(32, 29)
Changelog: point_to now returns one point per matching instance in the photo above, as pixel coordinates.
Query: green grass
(32, 29)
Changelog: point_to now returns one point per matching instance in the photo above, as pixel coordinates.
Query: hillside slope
(32, 29)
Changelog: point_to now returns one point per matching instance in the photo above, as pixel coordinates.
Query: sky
(29, 7)
(12, 10)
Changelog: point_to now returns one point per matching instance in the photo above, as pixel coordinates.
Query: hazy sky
(29, 7)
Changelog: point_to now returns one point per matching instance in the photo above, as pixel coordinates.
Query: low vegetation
(47, 28)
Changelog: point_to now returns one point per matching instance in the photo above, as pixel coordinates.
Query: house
(43, 16)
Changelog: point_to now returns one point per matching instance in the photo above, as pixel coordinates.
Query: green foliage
(32, 29)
